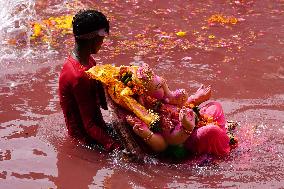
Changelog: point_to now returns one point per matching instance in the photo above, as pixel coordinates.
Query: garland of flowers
(125, 75)
(138, 89)
(202, 120)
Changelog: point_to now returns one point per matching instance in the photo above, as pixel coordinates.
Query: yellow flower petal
(181, 33)
(211, 36)
(37, 30)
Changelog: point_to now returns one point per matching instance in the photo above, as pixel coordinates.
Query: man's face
(96, 44)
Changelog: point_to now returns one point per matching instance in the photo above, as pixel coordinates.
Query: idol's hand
(202, 94)
(187, 118)
(139, 127)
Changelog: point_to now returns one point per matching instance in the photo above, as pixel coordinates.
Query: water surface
(243, 62)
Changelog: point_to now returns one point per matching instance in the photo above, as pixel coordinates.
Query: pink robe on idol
(208, 139)
(212, 138)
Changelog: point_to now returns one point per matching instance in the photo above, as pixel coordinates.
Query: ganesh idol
(162, 117)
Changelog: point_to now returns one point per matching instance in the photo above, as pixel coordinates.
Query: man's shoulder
(71, 73)
(70, 68)
(67, 65)
(67, 71)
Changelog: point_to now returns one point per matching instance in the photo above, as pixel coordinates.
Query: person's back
(70, 77)
(68, 102)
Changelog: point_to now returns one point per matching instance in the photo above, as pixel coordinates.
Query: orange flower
(181, 33)
(191, 105)
(37, 29)
(219, 18)
(210, 119)
(129, 83)
(123, 70)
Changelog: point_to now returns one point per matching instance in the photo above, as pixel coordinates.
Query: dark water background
(243, 62)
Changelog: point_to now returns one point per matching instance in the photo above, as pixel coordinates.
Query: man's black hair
(86, 21)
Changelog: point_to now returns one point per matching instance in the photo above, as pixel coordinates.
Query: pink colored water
(243, 62)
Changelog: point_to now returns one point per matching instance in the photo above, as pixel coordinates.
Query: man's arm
(101, 94)
(123, 130)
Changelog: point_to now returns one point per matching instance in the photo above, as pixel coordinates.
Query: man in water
(81, 97)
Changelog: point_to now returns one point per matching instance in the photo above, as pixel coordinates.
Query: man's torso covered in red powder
(80, 100)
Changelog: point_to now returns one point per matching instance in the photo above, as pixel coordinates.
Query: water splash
(15, 17)
(15, 14)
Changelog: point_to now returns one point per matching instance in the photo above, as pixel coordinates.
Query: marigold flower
(211, 36)
(37, 29)
(181, 33)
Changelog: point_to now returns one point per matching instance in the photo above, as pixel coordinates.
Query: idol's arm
(183, 130)
(154, 140)
(168, 93)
